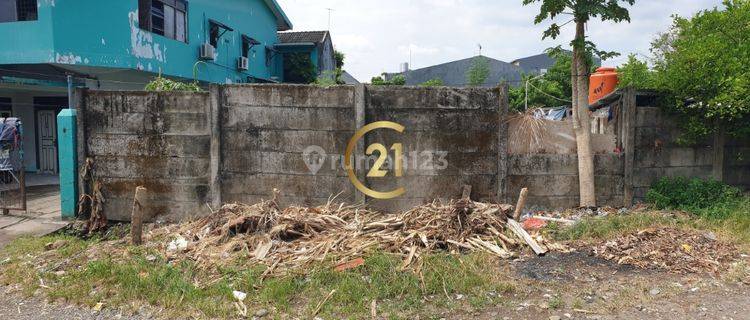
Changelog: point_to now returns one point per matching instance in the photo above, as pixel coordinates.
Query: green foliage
(555, 83)
(163, 84)
(583, 11)
(635, 73)
(690, 194)
(299, 68)
(478, 72)
(339, 57)
(328, 78)
(705, 60)
(397, 80)
(437, 82)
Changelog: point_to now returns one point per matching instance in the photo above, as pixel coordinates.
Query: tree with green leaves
(478, 72)
(339, 57)
(636, 73)
(397, 80)
(299, 68)
(581, 12)
(703, 62)
(437, 82)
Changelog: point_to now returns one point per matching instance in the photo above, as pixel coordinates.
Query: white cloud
(376, 35)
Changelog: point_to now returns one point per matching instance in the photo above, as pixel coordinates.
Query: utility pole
(69, 78)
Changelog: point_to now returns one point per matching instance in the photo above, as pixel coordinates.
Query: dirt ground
(558, 286)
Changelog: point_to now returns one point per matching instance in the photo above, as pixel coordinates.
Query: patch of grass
(612, 225)
(183, 290)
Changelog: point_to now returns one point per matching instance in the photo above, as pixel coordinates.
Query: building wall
(163, 141)
(658, 155)
(105, 34)
(240, 142)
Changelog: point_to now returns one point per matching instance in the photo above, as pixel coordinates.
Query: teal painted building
(124, 44)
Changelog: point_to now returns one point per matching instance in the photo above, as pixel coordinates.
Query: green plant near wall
(437, 82)
(478, 72)
(397, 80)
(164, 84)
(702, 63)
(299, 68)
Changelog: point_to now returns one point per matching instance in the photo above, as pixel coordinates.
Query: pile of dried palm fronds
(295, 237)
(528, 131)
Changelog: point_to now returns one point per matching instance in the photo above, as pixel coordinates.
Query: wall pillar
(68, 154)
(214, 115)
(360, 92)
(502, 145)
(629, 113)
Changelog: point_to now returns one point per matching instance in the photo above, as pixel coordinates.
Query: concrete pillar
(360, 92)
(214, 114)
(628, 118)
(67, 150)
(502, 145)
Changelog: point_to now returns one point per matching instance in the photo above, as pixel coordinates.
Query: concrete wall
(159, 141)
(265, 130)
(239, 142)
(658, 155)
(170, 143)
(464, 125)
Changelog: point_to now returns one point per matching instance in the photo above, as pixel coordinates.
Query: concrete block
(151, 167)
(649, 117)
(435, 187)
(445, 120)
(296, 118)
(289, 185)
(432, 98)
(148, 145)
(286, 95)
(293, 141)
(452, 142)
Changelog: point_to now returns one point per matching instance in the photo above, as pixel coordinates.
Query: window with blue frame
(164, 17)
(18, 10)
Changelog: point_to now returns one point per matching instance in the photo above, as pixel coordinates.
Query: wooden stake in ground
(521, 233)
(136, 218)
(521, 203)
(466, 193)
(518, 229)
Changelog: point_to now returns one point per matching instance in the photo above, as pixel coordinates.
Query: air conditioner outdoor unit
(207, 52)
(242, 63)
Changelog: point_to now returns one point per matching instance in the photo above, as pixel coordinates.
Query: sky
(378, 35)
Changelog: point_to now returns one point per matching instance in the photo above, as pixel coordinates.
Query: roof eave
(282, 21)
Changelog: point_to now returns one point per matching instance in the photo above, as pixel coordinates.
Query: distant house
(347, 78)
(317, 44)
(540, 63)
(453, 74)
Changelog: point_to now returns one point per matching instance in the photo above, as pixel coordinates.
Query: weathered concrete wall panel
(156, 140)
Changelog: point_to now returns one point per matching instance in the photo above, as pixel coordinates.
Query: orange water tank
(603, 82)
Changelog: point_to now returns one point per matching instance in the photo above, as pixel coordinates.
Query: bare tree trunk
(581, 121)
